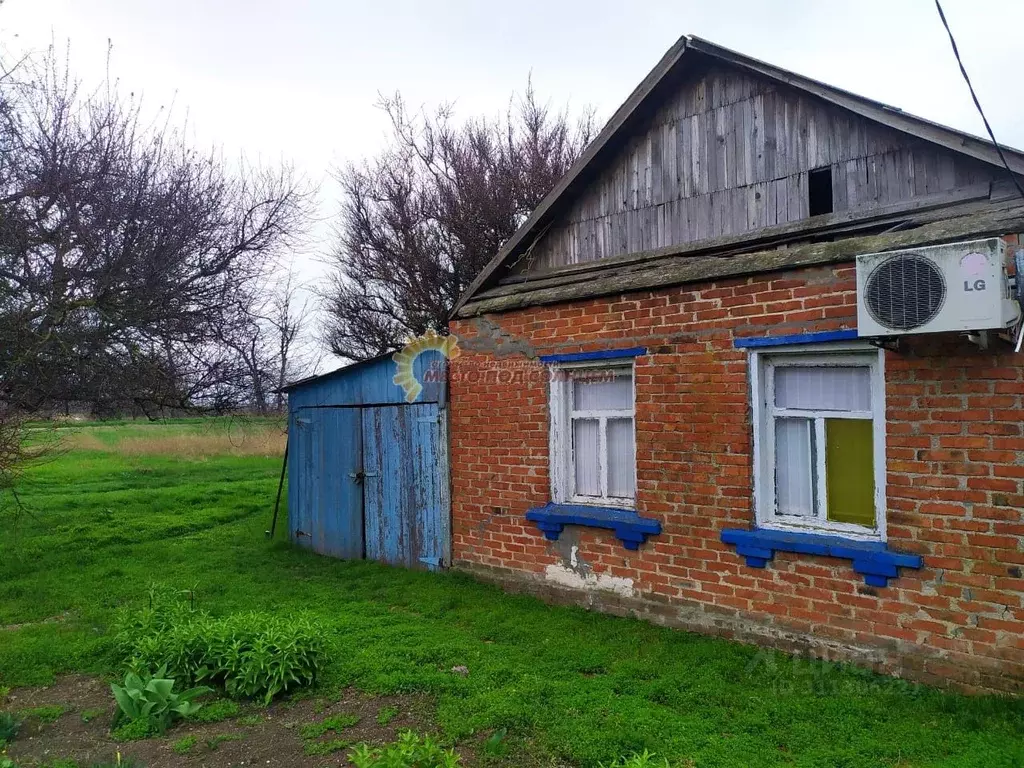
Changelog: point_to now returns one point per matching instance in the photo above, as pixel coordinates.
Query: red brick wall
(955, 464)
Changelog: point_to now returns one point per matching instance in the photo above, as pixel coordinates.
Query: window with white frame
(819, 441)
(593, 448)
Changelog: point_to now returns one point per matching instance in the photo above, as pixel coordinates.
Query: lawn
(187, 504)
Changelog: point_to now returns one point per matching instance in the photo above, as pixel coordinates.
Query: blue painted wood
(873, 559)
(300, 439)
(631, 529)
(326, 503)
(371, 383)
(406, 522)
(601, 354)
(754, 342)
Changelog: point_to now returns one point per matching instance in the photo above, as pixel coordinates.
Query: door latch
(358, 477)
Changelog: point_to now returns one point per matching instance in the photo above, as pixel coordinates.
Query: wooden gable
(727, 152)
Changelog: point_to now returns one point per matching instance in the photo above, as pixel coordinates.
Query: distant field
(182, 438)
(187, 504)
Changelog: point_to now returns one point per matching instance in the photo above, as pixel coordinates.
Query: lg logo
(972, 266)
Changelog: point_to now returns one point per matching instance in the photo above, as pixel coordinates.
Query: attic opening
(819, 191)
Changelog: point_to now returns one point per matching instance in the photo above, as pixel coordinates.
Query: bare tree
(268, 344)
(124, 252)
(420, 220)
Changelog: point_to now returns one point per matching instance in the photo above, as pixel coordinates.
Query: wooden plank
(797, 207)
(656, 152)
(681, 270)
(854, 183)
(840, 201)
(958, 203)
(699, 154)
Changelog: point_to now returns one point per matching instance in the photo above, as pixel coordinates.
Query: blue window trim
(601, 354)
(631, 529)
(755, 342)
(873, 559)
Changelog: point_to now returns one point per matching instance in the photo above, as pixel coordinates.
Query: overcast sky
(298, 80)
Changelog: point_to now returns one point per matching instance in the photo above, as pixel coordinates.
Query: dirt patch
(279, 735)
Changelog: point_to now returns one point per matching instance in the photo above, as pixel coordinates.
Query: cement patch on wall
(569, 578)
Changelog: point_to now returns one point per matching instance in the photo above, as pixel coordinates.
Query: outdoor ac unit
(956, 287)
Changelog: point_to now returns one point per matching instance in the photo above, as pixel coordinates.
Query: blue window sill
(873, 559)
(631, 529)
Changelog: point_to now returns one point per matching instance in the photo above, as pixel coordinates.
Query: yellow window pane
(850, 471)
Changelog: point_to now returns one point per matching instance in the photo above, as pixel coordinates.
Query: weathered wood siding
(730, 153)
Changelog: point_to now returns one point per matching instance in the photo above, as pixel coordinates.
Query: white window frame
(562, 413)
(762, 396)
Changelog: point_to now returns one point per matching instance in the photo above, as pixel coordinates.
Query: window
(593, 449)
(819, 442)
(819, 191)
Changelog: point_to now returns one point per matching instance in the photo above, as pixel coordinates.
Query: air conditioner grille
(905, 292)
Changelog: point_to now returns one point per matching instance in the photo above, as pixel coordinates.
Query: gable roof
(689, 50)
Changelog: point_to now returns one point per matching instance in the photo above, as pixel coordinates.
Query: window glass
(818, 431)
(794, 467)
(593, 449)
(823, 388)
(603, 391)
(586, 445)
(850, 471)
(621, 458)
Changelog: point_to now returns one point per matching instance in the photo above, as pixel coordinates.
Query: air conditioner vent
(905, 292)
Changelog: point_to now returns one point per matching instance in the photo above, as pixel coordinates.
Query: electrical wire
(963, 71)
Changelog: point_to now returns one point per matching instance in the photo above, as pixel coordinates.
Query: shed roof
(377, 381)
(690, 51)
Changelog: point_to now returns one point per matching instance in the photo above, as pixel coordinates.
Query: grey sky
(298, 80)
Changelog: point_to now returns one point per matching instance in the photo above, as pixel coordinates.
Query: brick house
(664, 405)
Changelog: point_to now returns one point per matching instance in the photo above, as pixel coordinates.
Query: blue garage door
(327, 500)
(405, 486)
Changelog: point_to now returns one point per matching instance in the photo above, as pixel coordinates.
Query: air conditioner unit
(955, 287)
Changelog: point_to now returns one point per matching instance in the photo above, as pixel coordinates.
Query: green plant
(48, 713)
(334, 723)
(386, 715)
(60, 762)
(220, 738)
(496, 745)
(250, 654)
(4, 692)
(325, 747)
(10, 724)
(6, 762)
(215, 711)
(410, 751)
(184, 744)
(91, 714)
(151, 699)
(643, 760)
(250, 720)
(133, 730)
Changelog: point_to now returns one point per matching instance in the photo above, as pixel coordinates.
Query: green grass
(579, 686)
(46, 714)
(91, 714)
(386, 715)
(325, 747)
(213, 744)
(215, 711)
(335, 723)
(184, 744)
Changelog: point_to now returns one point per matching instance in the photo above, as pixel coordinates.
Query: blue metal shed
(368, 469)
